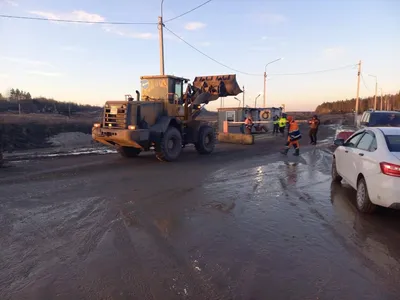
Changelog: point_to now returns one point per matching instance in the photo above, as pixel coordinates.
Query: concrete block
(236, 138)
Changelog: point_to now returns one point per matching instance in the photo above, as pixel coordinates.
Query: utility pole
(387, 102)
(161, 37)
(358, 93)
(376, 89)
(381, 99)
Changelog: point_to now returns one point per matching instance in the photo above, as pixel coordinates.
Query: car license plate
(113, 110)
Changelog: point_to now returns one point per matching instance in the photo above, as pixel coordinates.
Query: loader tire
(170, 146)
(128, 152)
(206, 140)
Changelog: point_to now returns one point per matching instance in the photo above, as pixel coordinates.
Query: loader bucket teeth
(216, 86)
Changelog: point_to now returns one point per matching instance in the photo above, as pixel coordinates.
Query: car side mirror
(339, 142)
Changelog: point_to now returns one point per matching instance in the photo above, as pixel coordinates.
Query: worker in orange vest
(248, 123)
(314, 125)
(294, 136)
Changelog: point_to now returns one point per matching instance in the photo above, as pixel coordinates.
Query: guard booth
(235, 117)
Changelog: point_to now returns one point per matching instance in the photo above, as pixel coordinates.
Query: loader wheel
(128, 152)
(170, 145)
(206, 140)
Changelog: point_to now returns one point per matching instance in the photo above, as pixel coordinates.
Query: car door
(363, 160)
(343, 153)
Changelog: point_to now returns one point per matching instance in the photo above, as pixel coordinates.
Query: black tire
(363, 202)
(335, 175)
(206, 140)
(128, 152)
(170, 146)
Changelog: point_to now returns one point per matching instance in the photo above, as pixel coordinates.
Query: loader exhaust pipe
(137, 95)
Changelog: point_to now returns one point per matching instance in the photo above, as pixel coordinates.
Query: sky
(93, 63)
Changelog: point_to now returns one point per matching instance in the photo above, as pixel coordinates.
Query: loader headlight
(96, 125)
(132, 127)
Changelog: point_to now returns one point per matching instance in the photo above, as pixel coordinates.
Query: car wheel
(335, 175)
(364, 204)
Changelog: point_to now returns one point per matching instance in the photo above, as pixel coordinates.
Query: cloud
(83, 16)
(47, 74)
(76, 15)
(205, 44)
(269, 38)
(4, 75)
(73, 49)
(194, 26)
(334, 52)
(269, 18)
(10, 2)
(129, 34)
(260, 49)
(24, 61)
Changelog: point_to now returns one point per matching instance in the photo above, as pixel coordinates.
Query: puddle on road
(292, 202)
(75, 152)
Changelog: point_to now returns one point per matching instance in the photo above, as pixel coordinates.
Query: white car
(369, 161)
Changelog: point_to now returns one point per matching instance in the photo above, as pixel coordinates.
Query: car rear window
(393, 142)
(383, 119)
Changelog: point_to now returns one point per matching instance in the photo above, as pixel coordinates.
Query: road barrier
(225, 136)
(226, 124)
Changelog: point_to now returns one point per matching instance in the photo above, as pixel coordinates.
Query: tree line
(348, 106)
(19, 101)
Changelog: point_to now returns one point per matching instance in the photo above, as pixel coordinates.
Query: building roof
(164, 76)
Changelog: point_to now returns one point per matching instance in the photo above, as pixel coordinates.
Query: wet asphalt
(240, 224)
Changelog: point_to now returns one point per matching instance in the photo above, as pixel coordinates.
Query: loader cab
(166, 88)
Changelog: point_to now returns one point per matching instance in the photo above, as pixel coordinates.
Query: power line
(252, 74)
(190, 45)
(362, 78)
(209, 57)
(100, 22)
(189, 11)
(314, 72)
(77, 21)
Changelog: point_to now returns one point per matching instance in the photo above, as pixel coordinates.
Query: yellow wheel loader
(163, 116)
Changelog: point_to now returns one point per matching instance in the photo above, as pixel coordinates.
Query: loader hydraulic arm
(209, 88)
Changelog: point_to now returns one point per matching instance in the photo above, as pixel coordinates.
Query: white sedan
(369, 161)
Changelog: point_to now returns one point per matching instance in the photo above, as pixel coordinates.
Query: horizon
(93, 63)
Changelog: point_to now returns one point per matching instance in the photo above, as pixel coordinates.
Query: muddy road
(244, 223)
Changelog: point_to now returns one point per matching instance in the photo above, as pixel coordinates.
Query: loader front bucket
(217, 86)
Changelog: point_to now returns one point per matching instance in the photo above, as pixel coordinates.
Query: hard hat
(290, 118)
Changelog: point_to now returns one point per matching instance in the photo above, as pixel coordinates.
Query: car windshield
(393, 142)
(383, 119)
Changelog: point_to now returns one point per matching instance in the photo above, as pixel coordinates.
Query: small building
(236, 116)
